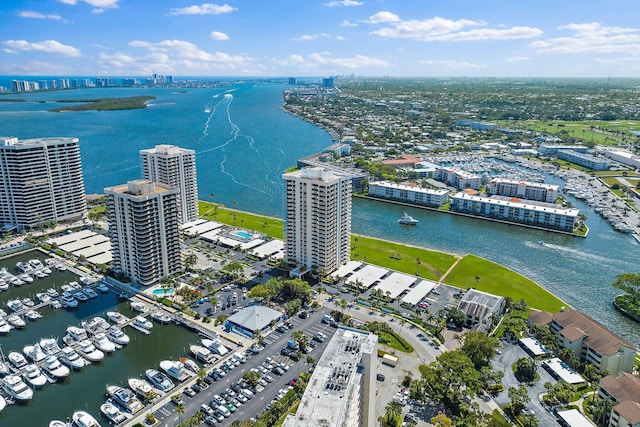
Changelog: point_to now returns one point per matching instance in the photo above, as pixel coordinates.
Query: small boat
(33, 315)
(72, 359)
(54, 368)
(16, 282)
(5, 328)
(68, 301)
(56, 304)
(89, 351)
(87, 280)
(201, 353)
(84, 419)
(34, 352)
(60, 267)
(58, 423)
(139, 306)
(125, 398)
(103, 288)
(159, 380)
(112, 413)
(3, 403)
(26, 278)
(17, 359)
(23, 266)
(160, 316)
(95, 325)
(4, 286)
(34, 376)
(407, 219)
(142, 322)
(190, 364)
(52, 293)
(49, 346)
(175, 370)
(5, 369)
(541, 242)
(90, 293)
(16, 388)
(117, 318)
(76, 333)
(36, 264)
(75, 286)
(40, 274)
(43, 297)
(116, 335)
(16, 321)
(80, 296)
(102, 343)
(46, 271)
(27, 302)
(15, 305)
(215, 345)
(143, 388)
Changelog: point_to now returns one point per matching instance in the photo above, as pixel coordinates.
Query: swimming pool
(161, 291)
(243, 234)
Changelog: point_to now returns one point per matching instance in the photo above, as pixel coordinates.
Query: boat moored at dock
(125, 398)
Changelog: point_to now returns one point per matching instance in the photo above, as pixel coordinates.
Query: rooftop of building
(166, 149)
(525, 183)
(314, 173)
(518, 203)
(12, 141)
(630, 411)
(141, 188)
(404, 159)
(254, 317)
(622, 386)
(409, 186)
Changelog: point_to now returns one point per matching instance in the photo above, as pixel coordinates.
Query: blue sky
(486, 38)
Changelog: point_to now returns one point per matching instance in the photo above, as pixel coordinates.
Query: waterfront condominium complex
(171, 165)
(524, 190)
(40, 180)
(317, 219)
(143, 226)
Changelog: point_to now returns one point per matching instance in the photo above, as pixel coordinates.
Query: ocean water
(244, 140)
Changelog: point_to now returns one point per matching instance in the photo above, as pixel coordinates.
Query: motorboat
(215, 345)
(23, 266)
(47, 271)
(160, 316)
(5, 328)
(72, 359)
(17, 360)
(190, 364)
(34, 352)
(43, 297)
(80, 296)
(407, 219)
(5, 369)
(75, 286)
(58, 423)
(95, 325)
(16, 321)
(34, 376)
(68, 301)
(201, 353)
(84, 419)
(142, 322)
(60, 267)
(89, 351)
(56, 304)
(102, 343)
(175, 369)
(90, 293)
(3, 403)
(139, 306)
(117, 318)
(54, 368)
(28, 302)
(16, 388)
(52, 293)
(102, 287)
(87, 280)
(40, 274)
(33, 315)
(15, 305)
(125, 398)
(49, 346)
(4, 286)
(142, 388)
(36, 264)
(26, 278)
(116, 335)
(159, 380)
(112, 413)
(76, 333)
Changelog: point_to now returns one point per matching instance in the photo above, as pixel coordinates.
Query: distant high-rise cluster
(40, 180)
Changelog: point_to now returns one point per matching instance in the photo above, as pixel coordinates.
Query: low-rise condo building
(458, 178)
(524, 190)
(481, 308)
(623, 389)
(582, 159)
(409, 193)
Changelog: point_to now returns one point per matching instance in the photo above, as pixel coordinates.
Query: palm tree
(393, 408)
(181, 410)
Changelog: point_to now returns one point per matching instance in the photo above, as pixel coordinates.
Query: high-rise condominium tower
(317, 219)
(40, 180)
(143, 226)
(171, 165)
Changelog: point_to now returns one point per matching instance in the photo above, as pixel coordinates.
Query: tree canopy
(628, 282)
(479, 347)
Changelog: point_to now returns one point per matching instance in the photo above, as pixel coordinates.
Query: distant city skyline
(409, 38)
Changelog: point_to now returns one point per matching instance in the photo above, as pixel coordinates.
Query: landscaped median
(469, 271)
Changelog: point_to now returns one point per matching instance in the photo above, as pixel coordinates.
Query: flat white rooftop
(574, 418)
(211, 236)
(201, 228)
(190, 224)
(345, 269)
(67, 238)
(251, 244)
(96, 248)
(395, 284)
(269, 248)
(367, 275)
(563, 371)
(534, 346)
(419, 291)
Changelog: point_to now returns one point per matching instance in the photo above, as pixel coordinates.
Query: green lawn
(499, 280)
(599, 132)
(431, 265)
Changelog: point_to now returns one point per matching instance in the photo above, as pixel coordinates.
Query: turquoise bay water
(246, 140)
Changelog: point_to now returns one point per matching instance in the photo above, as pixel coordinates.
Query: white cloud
(517, 59)
(453, 64)
(9, 51)
(308, 37)
(101, 4)
(346, 23)
(344, 3)
(341, 38)
(47, 46)
(443, 29)
(203, 9)
(37, 68)
(217, 35)
(37, 15)
(592, 37)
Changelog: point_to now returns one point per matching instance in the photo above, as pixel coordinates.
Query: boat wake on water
(212, 112)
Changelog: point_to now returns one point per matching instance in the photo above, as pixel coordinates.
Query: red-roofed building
(404, 160)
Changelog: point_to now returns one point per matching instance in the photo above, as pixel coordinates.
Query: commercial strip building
(624, 157)
(409, 193)
(582, 159)
(623, 389)
(171, 165)
(524, 190)
(538, 214)
(458, 178)
(591, 341)
(144, 230)
(317, 219)
(40, 180)
(342, 389)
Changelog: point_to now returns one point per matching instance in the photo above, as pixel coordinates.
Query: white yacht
(16, 321)
(125, 398)
(89, 351)
(159, 380)
(140, 386)
(40, 274)
(5, 369)
(52, 293)
(102, 343)
(34, 376)
(76, 333)
(43, 297)
(60, 267)
(160, 316)
(102, 288)
(58, 423)
(72, 359)
(142, 322)
(3, 403)
(407, 219)
(202, 353)
(5, 328)
(15, 305)
(4, 286)
(139, 306)
(33, 315)
(175, 369)
(190, 364)
(116, 335)
(95, 325)
(112, 413)
(34, 352)
(36, 264)
(26, 278)
(215, 345)
(27, 302)
(56, 369)
(49, 346)
(16, 388)
(90, 293)
(117, 318)
(84, 419)
(17, 359)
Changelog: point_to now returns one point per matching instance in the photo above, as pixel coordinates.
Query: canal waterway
(245, 140)
(84, 389)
